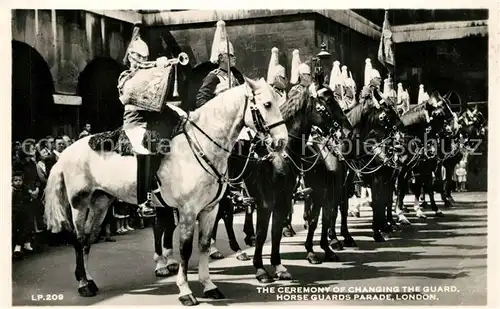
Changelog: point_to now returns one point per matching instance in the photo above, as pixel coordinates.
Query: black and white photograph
(183, 157)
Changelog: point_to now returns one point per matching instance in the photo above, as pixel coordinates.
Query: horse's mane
(355, 114)
(294, 103)
(413, 116)
(195, 115)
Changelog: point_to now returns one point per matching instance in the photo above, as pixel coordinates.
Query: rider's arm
(207, 89)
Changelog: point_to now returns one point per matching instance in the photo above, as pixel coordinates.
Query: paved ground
(438, 252)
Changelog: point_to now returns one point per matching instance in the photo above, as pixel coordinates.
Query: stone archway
(32, 90)
(97, 85)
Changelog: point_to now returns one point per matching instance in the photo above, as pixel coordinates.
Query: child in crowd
(461, 173)
(22, 219)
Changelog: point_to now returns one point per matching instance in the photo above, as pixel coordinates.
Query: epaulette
(216, 71)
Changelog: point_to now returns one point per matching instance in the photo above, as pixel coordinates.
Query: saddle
(157, 138)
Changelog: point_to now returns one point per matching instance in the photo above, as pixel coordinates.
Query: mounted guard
(225, 76)
(142, 89)
(276, 74)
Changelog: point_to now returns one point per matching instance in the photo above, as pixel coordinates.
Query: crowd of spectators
(31, 164)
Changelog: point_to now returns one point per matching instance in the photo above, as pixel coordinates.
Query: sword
(228, 61)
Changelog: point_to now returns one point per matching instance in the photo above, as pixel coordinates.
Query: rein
(200, 154)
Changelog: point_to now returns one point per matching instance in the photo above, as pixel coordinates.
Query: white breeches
(136, 136)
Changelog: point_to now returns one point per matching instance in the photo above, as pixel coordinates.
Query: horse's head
(442, 118)
(263, 114)
(328, 114)
(385, 121)
(472, 123)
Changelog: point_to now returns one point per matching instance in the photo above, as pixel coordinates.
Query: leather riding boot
(144, 185)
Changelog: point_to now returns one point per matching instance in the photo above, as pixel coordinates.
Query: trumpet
(182, 59)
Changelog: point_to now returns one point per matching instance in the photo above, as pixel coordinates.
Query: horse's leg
(307, 210)
(326, 225)
(228, 216)
(248, 228)
(379, 191)
(214, 252)
(428, 189)
(448, 199)
(401, 188)
(87, 222)
(163, 228)
(287, 225)
(206, 219)
(313, 218)
(187, 221)
(416, 188)
(263, 215)
(344, 213)
(79, 215)
(279, 217)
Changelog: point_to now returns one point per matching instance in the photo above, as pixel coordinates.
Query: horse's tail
(56, 201)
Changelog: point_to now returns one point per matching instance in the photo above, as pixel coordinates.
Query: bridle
(258, 121)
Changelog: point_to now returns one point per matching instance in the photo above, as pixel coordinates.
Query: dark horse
(372, 157)
(273, 192)
(471, 131)
(428, 127)
(331, 187)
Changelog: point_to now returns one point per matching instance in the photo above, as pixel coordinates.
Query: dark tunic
(214, 83)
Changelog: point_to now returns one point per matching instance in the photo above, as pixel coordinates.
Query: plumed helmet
(304, 69)
(220, 43)
(273, 62)
(136, 45)
(374, 74)
(294, 73)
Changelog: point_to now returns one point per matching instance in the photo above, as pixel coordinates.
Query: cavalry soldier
(276, 74)
(223, 78)
(370, 92)
(218, 80)
(305, 80)
(279, 81)
(136, 119)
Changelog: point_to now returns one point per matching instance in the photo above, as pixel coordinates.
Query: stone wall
(69, 39)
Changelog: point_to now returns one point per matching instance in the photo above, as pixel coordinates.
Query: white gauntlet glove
(162, 62)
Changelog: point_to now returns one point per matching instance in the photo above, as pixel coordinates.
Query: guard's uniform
(216, 82)
(136, 119)
(368, 95)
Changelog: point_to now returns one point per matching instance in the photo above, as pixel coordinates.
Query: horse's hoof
(283, 275)
(173, 268)
(163, 272)
(188, 300)
(336, 245)
(86, 291)
(264, 277)
(250, 241)
(243, 256)
(349, 242)
(330, 256)
(439, 213)
(380, 236)
(420, 214)
(216, 255)
(312, 258)
(287, 232)
(403, 220)
(93, 286)
(213, 294)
